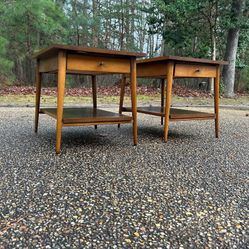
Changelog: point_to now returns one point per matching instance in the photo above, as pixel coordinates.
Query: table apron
(48, 65)
(154, 69)
(181, 70)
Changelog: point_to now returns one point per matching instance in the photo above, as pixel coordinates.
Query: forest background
(213, 29)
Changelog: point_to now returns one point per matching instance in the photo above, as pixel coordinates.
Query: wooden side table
(168, 68)
(63, 60)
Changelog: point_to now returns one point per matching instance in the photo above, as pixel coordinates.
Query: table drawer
(98, 64)
(195, 70)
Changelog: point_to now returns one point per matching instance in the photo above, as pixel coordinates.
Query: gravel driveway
(102, 192)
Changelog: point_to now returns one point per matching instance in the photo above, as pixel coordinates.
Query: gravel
(102, 192)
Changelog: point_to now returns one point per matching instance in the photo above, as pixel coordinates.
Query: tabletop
(55, 48)
(181, 59)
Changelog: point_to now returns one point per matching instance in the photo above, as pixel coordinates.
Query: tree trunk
(211, 80)
(231, 48)
(122, 35)
(230, 56)
(95, 27)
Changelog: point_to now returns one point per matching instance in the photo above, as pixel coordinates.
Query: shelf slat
(87, 115)
(175, 114)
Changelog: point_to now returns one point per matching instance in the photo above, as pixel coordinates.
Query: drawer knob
(101, 63)
(197, 70)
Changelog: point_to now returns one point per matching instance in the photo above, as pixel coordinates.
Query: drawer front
(195, 71)
(98, 64)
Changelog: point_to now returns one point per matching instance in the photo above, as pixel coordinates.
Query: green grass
(50, 100)
(29, 100)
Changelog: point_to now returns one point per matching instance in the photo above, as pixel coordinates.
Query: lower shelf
(87, 116)
(175, 114)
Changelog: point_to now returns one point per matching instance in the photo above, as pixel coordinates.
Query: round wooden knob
(197, 70)
(101, 63)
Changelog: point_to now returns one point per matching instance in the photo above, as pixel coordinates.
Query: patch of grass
(242, 100)
(51, 100)
(29, 100)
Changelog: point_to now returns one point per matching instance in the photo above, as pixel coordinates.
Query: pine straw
(103, 91)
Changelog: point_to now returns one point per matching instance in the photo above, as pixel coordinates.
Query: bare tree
(232, 46)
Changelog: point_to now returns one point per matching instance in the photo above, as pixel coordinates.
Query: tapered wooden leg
(133, 86)
(216, 100)
(162, 96)
(122, 93)
(94, 91)
(38, 96)
(60, 97)
(170, 70)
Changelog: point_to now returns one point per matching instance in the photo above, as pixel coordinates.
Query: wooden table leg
(122, 93)
(216, 100)
(38, 96)
(170, 70)
(162, 96)
(94, 91)
(60, 97)
(133, 86)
